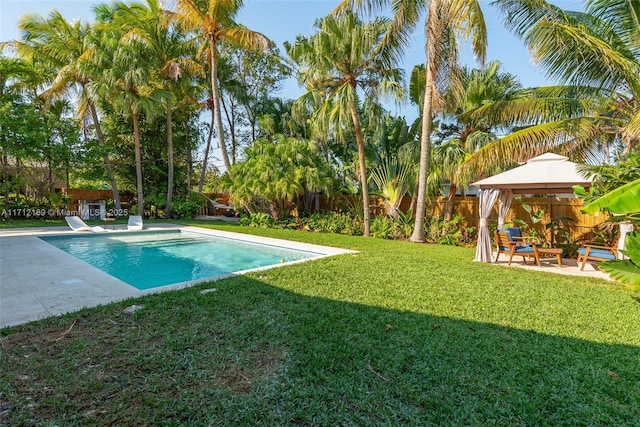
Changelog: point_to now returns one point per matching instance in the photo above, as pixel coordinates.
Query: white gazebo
(546, 174)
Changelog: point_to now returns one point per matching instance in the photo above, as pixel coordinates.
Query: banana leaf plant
(627, 270)
(624, 200)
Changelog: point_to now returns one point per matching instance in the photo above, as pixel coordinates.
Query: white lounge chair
(218, 205)
(135, 222)
(77, 224)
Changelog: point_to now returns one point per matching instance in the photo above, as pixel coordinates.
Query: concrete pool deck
(38, 280)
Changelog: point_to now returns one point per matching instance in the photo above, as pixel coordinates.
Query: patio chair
(596, 251)
(135, 222)
(218, 205)
(515, 234)
(510, 247)
(77, 224)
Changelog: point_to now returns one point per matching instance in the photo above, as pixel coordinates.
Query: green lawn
(397, 334)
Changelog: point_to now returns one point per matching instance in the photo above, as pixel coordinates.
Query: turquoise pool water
(148, 260)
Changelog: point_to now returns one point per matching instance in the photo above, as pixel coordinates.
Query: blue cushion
(516, 232)
(524, 249)
(513, 232)
(597, 253)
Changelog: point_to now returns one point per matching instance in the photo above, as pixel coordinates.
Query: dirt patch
(241, 375)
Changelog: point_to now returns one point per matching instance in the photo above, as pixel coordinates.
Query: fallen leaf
(613, 374)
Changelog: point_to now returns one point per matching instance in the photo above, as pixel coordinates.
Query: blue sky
(282, 20)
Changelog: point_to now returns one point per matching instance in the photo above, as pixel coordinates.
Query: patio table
(557, 252)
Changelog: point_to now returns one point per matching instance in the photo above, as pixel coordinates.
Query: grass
(397, 334)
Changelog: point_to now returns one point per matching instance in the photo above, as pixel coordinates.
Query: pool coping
(38, 280)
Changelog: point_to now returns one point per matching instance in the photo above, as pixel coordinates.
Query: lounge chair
(596, 252)
(77, 224)
(217, 205)
(135, 222)
(510, 247)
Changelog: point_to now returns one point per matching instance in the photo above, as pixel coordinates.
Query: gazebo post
(504, 203)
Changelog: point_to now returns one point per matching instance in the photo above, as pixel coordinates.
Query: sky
(283, 20)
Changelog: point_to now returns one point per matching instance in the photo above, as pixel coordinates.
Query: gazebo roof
(547, 173)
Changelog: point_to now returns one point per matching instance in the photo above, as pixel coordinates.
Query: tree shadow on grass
(252, 354)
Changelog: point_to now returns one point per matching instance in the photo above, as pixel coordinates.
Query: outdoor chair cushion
(597, 253)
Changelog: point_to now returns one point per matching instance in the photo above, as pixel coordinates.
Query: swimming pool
(147, 260)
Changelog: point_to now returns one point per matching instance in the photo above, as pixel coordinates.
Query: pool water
(148, 260)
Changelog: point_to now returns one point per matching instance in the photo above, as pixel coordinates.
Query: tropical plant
(382, 227)
(128, 84)
(213, 21)
(460, 134)
(170, 55)
(623, 200)
(67, 47)
(445, 22)
(596, 107)
(342, 59)
(277, 172)
(535, 231)
(392, 179)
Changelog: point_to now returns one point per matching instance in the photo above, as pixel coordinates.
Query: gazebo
(546, 174)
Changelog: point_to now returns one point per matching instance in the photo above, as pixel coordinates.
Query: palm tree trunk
(230, 116)
(136, 141)
(167, 209)
(216, 103)
(106, 160)
(412, 204)
(425, 146)
(206, 155)
(363, 170)
(189, 157)
(448, 208)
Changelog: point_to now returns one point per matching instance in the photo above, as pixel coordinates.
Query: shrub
(382, 228)
(259, 220)
(333, 222)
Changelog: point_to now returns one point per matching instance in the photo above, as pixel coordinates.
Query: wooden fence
(464, 206)
(553, 208)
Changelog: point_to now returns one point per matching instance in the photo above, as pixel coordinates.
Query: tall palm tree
(596, 58)
(446, 21)
(128, 83)
(67, 47)
(337, 62)
(213, 21)
(170, 55)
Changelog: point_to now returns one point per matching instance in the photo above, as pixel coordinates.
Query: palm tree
(147, 25)
(128, 82)
(446, 21)
(277, 172)
(595, 56)
(213, 21)
(468, 133)
(337, 62)
(67, 47)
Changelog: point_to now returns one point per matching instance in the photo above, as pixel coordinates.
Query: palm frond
(529, 142)
(246, 38)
